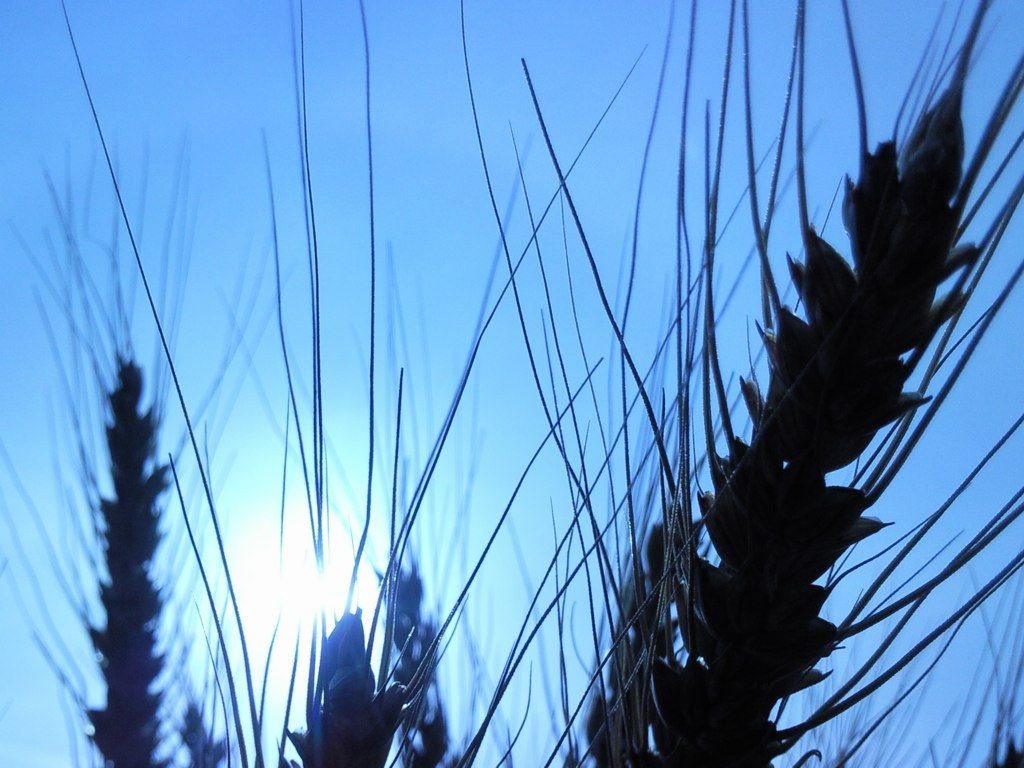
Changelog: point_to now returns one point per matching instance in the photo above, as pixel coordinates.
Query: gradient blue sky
(195, 87)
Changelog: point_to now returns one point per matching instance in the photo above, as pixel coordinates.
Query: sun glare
(278, 579)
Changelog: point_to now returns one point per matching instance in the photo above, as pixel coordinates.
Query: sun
(278, 582)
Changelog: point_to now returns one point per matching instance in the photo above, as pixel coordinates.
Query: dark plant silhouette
(1013, 758)
(203, 750)
(353, 724)
(350, 725)
(424, 734)
(745, 622)
(127, 729)
(751, 621)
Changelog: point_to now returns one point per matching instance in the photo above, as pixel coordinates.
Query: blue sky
(192, 91)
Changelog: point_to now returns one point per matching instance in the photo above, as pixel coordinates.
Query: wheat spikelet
(351, 725)
(751, 622)
(126, 730)
(204, 751)
(423, 738)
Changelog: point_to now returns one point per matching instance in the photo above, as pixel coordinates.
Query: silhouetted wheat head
(126, 729)
(204, 750)
(748, 613)
(352, 723)
(751, 621)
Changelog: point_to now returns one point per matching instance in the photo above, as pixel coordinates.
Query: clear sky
(188, 93)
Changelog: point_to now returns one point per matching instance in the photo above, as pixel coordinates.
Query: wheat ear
(424, 734)
(351, 726)
(126, 730)
(751, 621)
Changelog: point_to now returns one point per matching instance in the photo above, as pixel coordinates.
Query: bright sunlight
(277, 579)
